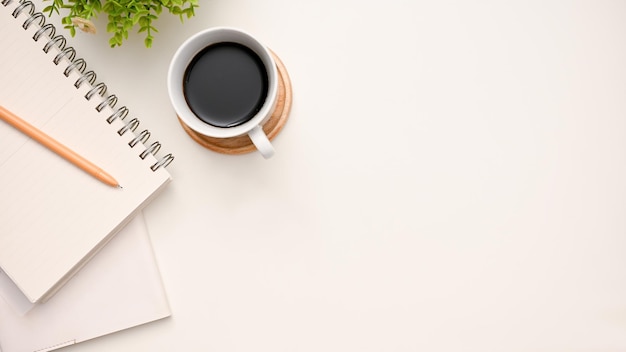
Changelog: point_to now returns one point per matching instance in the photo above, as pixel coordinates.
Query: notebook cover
(119, 288)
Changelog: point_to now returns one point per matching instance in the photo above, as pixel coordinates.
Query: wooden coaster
(242, 144)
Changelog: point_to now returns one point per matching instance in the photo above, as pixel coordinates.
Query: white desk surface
(452, 178)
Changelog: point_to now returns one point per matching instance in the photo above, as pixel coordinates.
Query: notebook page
(52, 214)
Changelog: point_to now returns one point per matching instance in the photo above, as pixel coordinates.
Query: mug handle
(261, 142)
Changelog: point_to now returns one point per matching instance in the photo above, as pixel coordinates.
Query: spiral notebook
(53, 216)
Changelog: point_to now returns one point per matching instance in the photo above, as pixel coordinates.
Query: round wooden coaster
(242, 144)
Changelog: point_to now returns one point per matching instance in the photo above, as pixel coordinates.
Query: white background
(452, 178)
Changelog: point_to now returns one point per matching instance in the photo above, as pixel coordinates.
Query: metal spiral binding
(98, 87)
(111, 100)
(78, 64)
(48, 31)
(68, 52)
(120, 113)
(58, 41)
(38, 16)
(89, 77)
(153, 148)
(164, 162)
(142, 137)
(130, 126)
(43, 29)
(22, 6)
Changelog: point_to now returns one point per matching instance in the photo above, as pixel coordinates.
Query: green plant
(123, 15)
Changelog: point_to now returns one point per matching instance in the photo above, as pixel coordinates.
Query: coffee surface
(225, 84)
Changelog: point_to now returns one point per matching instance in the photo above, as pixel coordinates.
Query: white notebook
(119, 288)
(54, 216)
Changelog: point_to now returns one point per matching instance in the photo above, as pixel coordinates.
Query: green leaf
(50, 9)
(111, 27)
(144, 21)
(123, 15)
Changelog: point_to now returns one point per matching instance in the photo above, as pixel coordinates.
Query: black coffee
(225, 84)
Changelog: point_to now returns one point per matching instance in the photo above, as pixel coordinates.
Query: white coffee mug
(184, 56)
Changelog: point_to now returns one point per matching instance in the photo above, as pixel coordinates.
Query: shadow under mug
(187, 55)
